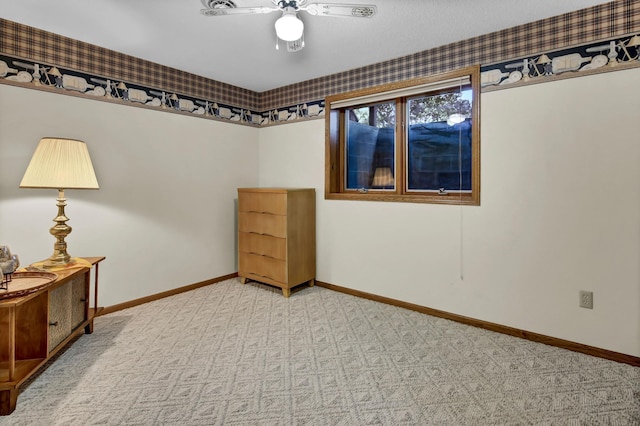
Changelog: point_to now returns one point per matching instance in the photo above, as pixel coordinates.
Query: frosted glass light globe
(289, 27)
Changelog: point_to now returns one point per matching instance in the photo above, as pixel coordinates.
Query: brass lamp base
(60, 230)
(55, 262)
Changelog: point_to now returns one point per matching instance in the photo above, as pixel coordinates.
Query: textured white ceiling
(240, 50)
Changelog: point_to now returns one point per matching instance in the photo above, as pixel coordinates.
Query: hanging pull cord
(460, 194)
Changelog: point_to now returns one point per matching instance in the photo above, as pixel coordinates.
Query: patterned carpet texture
(233, 354)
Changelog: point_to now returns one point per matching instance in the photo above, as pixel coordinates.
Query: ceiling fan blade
(350, 10)
(238, 11)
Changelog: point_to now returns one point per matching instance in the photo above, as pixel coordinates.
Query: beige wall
(559, 207)
(165, 212)
(559, 212)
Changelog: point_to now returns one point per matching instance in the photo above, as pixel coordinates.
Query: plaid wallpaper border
(608, 21)
(48, 48)
(615, 19)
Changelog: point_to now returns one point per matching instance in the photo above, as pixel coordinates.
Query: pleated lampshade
(60, 164)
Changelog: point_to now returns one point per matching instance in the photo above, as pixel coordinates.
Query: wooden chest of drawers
(277, 236)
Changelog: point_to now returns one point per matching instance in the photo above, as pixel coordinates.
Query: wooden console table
(36, 325)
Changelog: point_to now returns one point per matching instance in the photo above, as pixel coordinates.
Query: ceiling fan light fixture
(289, 27)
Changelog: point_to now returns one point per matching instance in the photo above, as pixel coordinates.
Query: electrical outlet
(586, 299)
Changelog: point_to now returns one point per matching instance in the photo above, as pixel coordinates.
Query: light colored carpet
(232, 354)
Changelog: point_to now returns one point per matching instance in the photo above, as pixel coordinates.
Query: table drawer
(258, 202)
(265, 224)
(263, 266)
(263, 245)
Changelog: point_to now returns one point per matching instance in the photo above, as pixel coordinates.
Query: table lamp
(60, 164)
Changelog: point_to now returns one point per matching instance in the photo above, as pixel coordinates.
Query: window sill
(451, 199)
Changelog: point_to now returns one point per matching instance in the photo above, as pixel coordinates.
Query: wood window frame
(335, 161)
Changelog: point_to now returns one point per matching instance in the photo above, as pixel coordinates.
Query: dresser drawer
(263, 245)
(265, 224)
(259, 202)
(263, 266)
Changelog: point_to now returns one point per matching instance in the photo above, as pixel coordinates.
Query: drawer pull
(262, 233)
(260, 275)
(83, 300)
(54, 324)
(255, 211)
(260, 254)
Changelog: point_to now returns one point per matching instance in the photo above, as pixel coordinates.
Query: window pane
(439, 142)
(433, 149)
(370, 147)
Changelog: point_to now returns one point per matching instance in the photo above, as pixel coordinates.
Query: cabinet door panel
(263, 266)
(59, 315)
(5, 324)
(78, 301)
(263, 245)
(265, 224)
(32, 328)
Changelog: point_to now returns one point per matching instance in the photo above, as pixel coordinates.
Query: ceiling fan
(289, 27)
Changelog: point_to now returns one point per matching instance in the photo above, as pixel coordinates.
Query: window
(413, 141)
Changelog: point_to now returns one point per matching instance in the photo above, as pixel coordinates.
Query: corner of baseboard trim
(162, 295)
(498, 328)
